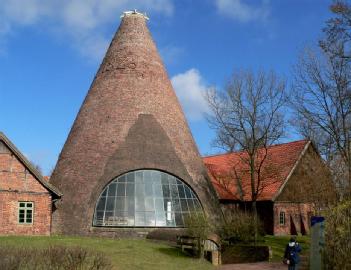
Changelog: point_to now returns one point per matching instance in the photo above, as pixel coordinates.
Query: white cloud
(243, 12)
(171, 54)
(80, 21)
(190, 89)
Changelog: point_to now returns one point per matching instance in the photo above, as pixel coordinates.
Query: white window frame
(25, 208)
(282, 218)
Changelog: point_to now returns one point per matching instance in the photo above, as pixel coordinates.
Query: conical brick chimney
(130, 120)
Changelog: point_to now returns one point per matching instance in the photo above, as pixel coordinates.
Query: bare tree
(248, 116)
(322, 95)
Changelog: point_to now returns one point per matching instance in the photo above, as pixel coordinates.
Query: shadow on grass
(173, 252)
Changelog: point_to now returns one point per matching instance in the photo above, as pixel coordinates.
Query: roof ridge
(240, 151)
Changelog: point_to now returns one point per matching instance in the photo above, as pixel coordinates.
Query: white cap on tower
(134, 12)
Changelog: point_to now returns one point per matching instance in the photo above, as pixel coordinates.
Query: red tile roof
(225, 171)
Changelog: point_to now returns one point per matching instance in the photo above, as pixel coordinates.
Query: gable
(230, 175)
(14, 164)
(3, 148)
(310, 181)
(14, 176)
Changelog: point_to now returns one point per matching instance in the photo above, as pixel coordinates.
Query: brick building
(130, 163)
(295, 180)
(26, 199)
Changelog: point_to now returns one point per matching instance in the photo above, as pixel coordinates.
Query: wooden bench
(187, 242)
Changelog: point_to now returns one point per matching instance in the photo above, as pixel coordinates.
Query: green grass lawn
(278, 243)
(124, 253)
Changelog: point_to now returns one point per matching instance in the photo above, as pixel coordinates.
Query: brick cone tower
(130, 119)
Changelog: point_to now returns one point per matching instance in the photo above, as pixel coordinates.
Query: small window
(25, 212)
(282, 218)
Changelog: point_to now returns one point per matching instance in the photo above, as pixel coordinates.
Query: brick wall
(297, 216)
(18, 184)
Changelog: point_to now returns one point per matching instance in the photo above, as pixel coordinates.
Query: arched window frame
(146, 191)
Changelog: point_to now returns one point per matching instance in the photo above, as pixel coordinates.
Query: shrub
(337, 248)
(52, 258)
(239, 226)
(198, 226)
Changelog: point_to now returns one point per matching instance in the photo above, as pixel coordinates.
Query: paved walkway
(254, 266)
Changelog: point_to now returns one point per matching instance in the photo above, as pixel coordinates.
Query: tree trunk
(254, 210)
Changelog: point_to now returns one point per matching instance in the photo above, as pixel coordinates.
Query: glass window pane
(131, 205)
(139, 204)
(121, 189)
(104, 193)
(139, 177)
(149, 204)
(156, 177)
(121, 204)
(179, 182)
(184, 205)
(166, 191)
(174, 191)
(112, 189)
(181, 191)
(187, 191)
(123, 178)
(131, 220)
(161, 219)
(147, 177)
(176, 205)
(139, 218)
(164, 179)
(130, 189)
(22, 204)
(101, 204)
(172, 180)
(120, 219)
(150, 219)
(145, 198)
(99, 215)
(108, 218)
(178, 219)
(158, 191)
(130, 177)
(29, 205)
(139, 188)
(148, 190)
(110, 203)
(159, 205)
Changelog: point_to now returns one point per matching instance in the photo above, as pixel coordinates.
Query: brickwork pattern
(18, 184)
(130, 92)
(298, 213)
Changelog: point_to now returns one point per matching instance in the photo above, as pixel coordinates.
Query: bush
(337, 249)
(239, 226)
(52, 258)
(198, 226)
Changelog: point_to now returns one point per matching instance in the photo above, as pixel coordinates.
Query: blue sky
(50, 51)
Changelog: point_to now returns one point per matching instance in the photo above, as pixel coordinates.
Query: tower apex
(134, 13)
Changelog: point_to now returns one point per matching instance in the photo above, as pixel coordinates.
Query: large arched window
(146, 198)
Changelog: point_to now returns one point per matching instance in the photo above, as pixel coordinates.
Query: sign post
(317, 242)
